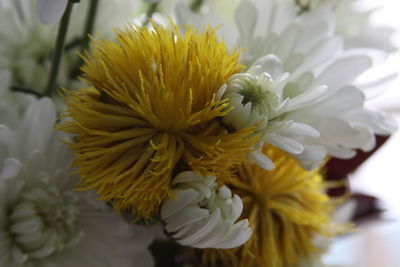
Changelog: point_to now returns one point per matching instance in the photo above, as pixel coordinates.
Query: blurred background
(376, 242)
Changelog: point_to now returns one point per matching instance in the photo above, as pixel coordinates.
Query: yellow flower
(149, 111)
(286, 207)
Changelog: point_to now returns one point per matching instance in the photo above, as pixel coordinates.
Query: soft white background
(377, 244)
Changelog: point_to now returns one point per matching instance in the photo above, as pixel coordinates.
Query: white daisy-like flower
(43, 222)
(354, 25)
(202, 216)
(258, 98)
(26, 43)
(51, 11)
(322, 112)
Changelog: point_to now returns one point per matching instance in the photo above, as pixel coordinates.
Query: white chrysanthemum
(43, 222)
(354, 25)
(203, 217)
(258, 97)
(328, 113)
(26, 43)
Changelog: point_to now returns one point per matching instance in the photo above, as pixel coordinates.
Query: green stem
(91, 19)
(25, 90)
(302, 8)
(84, 41)
(196, 5)
(56, 58)
(149, 12)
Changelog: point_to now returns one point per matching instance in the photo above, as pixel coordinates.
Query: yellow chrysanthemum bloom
(150, 110)
(286, 208)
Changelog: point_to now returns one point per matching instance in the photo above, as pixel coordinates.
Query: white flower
(354, 25)
(51, 11)
(321, 110)
(258, 97)
(26, 43)
(203, 217)
(43, 221)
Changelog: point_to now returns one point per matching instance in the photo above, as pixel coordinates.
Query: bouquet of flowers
(180, 133)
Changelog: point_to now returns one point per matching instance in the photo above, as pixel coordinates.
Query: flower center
(43, 221)
(261, 96)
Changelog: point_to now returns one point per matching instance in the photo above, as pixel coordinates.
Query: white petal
(236, 209)
(11, 168)
(377, 86)
(377, 121)
(186, 216)
(182, 199)
(285, 143)
(50, 11)
(237, 236)
(345, 99)
(216, 235)
(270, 64)
(302, 130)
(343, 71)
(340, 152)
(202, 228)
(288, 40)
(342, 133)
(246, 17)
(311, 157)
(257, 157)
(307, 98)
(186, 177)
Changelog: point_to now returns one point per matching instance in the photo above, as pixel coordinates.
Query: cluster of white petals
(43, 221)
(321, 111)
(202, 216)
(26, 43)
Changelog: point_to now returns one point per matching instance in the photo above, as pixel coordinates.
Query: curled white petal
(202, 216)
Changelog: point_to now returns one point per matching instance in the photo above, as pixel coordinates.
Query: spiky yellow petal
(286, 207)
(150, 107)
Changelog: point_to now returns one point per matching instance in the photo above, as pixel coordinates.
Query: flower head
(151, 107)
(256, 97)
(43, 222)
(203, 217)
(286, 208)
(323, 115)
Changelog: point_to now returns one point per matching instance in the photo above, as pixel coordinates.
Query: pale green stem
(56, 57)
(149, 12)
(196, 5)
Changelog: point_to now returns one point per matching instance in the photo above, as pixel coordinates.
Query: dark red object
(339, 169)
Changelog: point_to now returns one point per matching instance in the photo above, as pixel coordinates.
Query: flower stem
(84, 40)
(91, 19)
(149, 12)
(196, 5)
(303, 7)
(25, 90)
(56, 58)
